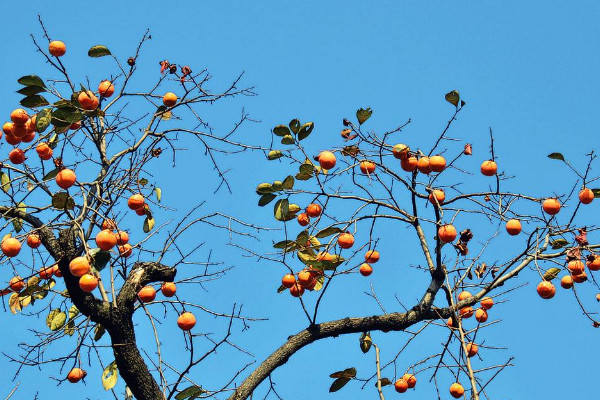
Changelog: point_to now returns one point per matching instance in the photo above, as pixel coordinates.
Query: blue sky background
(529, 70)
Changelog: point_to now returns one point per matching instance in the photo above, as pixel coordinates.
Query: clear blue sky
(527, 69)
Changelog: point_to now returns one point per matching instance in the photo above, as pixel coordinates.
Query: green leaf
(99, 51)
(558, 244)
(281, 130)
(17, 225)
(281, 289)
(98, 332)
(264, 188)
(365, 342)
(158, 193)
(43, 119)
(143, 181)
(34, 101)
(62, 201)
(266, 199)
(58, 320)
(31, 80)
(274, 155)
(338, 384)
(148, 224)
(319, 285)
(556, 156)
(281, 209)
(192, 392)
(53, 142)
(31, 90)
(285, 244)
(295, 125)
(4, 182)
(384, 382)
(110, 376)
(306, 169)
(288, 182)
(70, 328)
(453, 97)
(305, 130)
(551, 274)
(51, 174)
(287, 139)
(293, 208)
(303, 177)
(328, 232)
(73, 312)
(51, 316)
(277, 186)
(347, 373)
(65, 116)
(100, 258)
(362, 115)
(596, 193)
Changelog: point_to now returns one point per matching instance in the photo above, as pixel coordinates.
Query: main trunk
(132, 367)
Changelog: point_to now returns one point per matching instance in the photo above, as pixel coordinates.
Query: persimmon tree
(78, 176)
(337, 202)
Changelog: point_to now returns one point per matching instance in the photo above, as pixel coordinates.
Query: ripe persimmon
(582, 277)
(16, 156)
(447, 233)
(464, 295)
(437, 194)
(88, 283)
(576, 267)
(169, 99)
(106, 88)
(456, 390)
(546, 290)
(57, 48)
(593, 262)
(136, 201)
(487, 303)
(288, 280)
(42, 148)
(76, 374)
(437, 163)
(371, 256)
(551, 206)
(472, 349)
(365, 269)
(296, 290)
(88, 100)
(46, 272)
(401, 151)
(13, 140)
(409, 164)
(168, 289)
(79, 266)
(410, 379)
(489, 168)
(305, 278)
(303, 219)
(367, 167)
(401, 386)
(513, 227)
(423, 165)
(10, 247)
(345, 240)
(314, 210)
(586, 196)
(109, 224)
(481, 315)
(147, 294)
(65, 178)
(186, 321)
(106, 240)
(122, 237)
(16, 284)
(33, 241)
(466, 312)
(327, 160)
(125, 250)
(143, 210)
(56, 271)
(324, 256)
(566, 282)
(19, 117)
